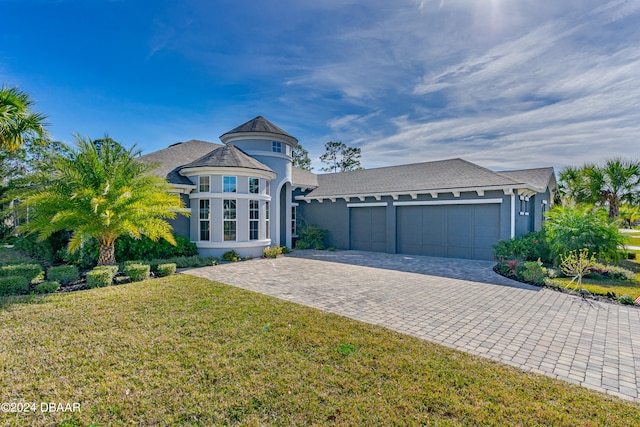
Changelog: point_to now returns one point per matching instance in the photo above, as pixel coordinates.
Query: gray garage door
(456, 231)
(368, 229)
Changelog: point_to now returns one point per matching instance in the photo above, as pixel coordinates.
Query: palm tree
(100, 191)
(613, 183)
(610, 184)
(18, 122)
(572, 185)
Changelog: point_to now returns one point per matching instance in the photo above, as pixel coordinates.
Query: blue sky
(503, 83)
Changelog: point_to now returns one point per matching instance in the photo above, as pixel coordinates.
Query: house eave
(259, 173)
(434, 193)
(228, 138)
(181, 188)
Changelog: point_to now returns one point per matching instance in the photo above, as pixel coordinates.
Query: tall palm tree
(615, 182)
(100, 191)
(18, 122)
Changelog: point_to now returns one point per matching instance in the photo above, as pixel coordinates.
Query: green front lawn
(187, 351)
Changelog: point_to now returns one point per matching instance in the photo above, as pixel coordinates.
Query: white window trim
(249, 184)
(200, 184)
(256, 220)
(235, 220)
(235, 178)
(201, 220)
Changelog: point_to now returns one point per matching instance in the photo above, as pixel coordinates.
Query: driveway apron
(463, 305)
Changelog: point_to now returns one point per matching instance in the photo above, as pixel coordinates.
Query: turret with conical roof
(272, 147)
(258, 128)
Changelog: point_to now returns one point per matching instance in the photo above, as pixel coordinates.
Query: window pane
(204, 230)
(229, 230)
(254, 185)
(293, 220)
(253, 230)
(229, 209)
(276, 147)
(254, 211)
(204, 209)
(204, 184)
(229, 184)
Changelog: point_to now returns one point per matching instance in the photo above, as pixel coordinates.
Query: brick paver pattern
(585, 342)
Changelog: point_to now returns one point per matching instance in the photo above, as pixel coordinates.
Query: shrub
(166, 269)
(285, 250)
(99, 278)
(86, 257)
(48, 287)
(272, 252)
(502, 269)
(63, 273)
(610, 271)
(534, 272)
(231, 256)
(312, 237)
(129, 248)
(626, 299)
(13, 285)
(137, 272)
(112, 269)
(28, 271)
(631, 255)
(530, 247)
(180, 262)
(576, 228)
(50, 251)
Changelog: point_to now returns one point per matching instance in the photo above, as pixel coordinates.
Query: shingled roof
(303, 179)
(172, 158)
(418, 177)
(539, 178)
(258, 125)
(227, 156)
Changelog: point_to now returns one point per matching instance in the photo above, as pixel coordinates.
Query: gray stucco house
(245, 195)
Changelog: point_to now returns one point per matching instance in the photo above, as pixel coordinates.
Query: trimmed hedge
(28, 271)
(137, 272)
(166, 269)
(129, 248)
(13, 285)
(47, 287)
(63, 273)
(112, 269)
(180, 262)
(99, 278)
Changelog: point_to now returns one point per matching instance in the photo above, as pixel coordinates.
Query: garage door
(368, 228)
(456, 231)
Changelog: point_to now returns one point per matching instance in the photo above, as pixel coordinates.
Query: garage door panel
(378, 229)
(459, 226)
(409, 229)
(368, 229)
(456, 231)
(433, 221)
(486, 221)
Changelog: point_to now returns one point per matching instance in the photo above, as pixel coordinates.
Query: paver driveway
(585, 342)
